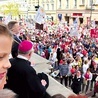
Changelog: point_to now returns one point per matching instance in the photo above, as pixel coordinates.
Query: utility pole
(91, 11)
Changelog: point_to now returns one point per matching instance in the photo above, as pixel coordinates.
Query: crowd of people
(74, 55)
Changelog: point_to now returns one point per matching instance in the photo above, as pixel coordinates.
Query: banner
(75, 23)
(94, 33)
(60, 17)
(7, 19)
(75, 32)
(40, 16)
(39, 26)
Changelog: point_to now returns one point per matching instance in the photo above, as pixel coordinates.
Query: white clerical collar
(79, 76)
(22, 57)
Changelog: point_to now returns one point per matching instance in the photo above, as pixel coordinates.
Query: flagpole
(91, 11)
(38, 3)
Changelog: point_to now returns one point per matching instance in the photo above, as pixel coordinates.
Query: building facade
(85, 10)
(65, 10)
(28, 8)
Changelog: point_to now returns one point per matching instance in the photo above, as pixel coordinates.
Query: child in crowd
(6, 41)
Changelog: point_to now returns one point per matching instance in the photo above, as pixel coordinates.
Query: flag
(75, 23)
(93, 23)
(39, 26)
(40, 16)
(7, 19)
(74, 32)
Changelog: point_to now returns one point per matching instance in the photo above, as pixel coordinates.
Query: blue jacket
(63, 70)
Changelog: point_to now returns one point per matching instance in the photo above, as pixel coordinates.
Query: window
(59, 3)
(47, 1)
(43, 5)
(51, 1)
(90, 2)
(96, 2)
(67, 3)
(52, 5)
(47, 6)
(75, 3)
(43, 1)
(82, 2)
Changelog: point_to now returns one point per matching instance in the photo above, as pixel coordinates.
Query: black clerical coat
(23, 80)
(15, 45)
(76, 84)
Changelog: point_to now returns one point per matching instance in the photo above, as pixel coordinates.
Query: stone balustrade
(41, 65)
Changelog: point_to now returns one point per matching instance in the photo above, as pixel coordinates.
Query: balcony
(89, 7)
(81, 4)
(41, 65)
(95, 4)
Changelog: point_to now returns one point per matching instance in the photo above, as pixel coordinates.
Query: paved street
(40, 62)
(89, 93)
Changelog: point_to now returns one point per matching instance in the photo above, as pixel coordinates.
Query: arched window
(52, 5)
(47, 6)
(59, 3)
(67, 3)
(90, 2)
(75, 3)
(43, 5)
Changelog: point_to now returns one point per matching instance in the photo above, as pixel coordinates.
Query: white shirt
(22, 57)
(85, 67)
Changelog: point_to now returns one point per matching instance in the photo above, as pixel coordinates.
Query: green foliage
(12, 8)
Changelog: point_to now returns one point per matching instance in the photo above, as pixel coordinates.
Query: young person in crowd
(64, 69)
(6, 41)
(95, 87)
(87, 77)
(94, 72)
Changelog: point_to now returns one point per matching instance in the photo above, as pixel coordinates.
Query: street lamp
(36, 7)
(91, 10)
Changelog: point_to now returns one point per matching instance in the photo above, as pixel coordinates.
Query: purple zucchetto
(25, 46)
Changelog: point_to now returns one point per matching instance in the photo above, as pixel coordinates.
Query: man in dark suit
(14, 27)
(22, 78)
(77, 82)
